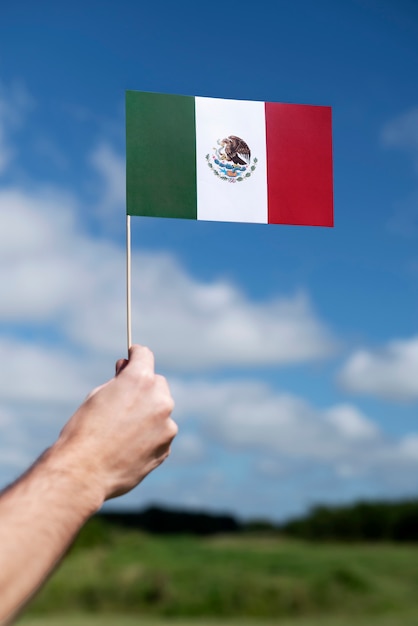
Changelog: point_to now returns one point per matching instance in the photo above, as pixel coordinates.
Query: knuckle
(147, 378)
(147, 352)
(169, 403)
(172, 429)
(165, 398)
(166, 407)
(161, 381)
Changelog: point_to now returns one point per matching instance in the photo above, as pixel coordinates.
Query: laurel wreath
(238, 179)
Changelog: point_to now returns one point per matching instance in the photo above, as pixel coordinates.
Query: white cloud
(193, 325)
(251, 414)
(286, 436)
(24, 434)
(59, 281)
(38, 255)
(188, 448)
(389, 372)
(351, 423)
(14, 102)
(110, 166)
(402, 132)
(36, 374)
(286, 431)
(405, 219)
(409, 446)
(54, 273)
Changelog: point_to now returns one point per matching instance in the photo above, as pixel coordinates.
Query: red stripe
(299, 164)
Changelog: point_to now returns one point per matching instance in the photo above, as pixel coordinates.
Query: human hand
(123, 430)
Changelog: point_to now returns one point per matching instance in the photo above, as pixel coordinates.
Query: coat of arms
(231, 159)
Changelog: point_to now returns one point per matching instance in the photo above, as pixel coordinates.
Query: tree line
(361, 521)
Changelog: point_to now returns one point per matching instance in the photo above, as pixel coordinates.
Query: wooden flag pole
(128, 282)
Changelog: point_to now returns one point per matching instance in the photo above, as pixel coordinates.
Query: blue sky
(292, 352)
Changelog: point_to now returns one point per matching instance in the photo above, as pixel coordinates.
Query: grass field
(120, 620)
(131, 578)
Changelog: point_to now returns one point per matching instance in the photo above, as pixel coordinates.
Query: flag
(228, 160)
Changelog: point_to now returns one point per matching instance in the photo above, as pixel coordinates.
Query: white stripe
(221, 200)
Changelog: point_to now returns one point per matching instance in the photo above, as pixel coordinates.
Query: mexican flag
(228, 160)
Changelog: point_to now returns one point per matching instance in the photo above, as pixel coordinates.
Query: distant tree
(159, 520)
(362, 521)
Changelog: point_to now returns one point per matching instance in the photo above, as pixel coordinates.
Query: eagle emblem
(231, 159)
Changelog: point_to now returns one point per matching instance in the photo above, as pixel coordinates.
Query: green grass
(120, 620)
(242, 577)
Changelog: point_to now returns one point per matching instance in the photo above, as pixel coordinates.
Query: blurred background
(292, 352)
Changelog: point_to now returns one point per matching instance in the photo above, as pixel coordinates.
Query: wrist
(75, 477)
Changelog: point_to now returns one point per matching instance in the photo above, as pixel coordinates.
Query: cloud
(287, 432)
(62, 322)
(110, 167)
(44, 384)
(250, 414)
(195, 325)
(14, 103)
(38, 255)
(41, 374)
(26, 429)
(223, 424)
(189, 449)
(14, 441)
(55, 274)
(405, 219)
(402, 132)
(389, 372)
(228, 424)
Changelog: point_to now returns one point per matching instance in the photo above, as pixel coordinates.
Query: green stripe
(160, 155)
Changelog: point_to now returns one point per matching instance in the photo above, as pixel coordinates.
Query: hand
(123, 430)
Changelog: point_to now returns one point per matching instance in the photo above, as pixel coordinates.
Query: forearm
(39, 517)
(119, 435)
